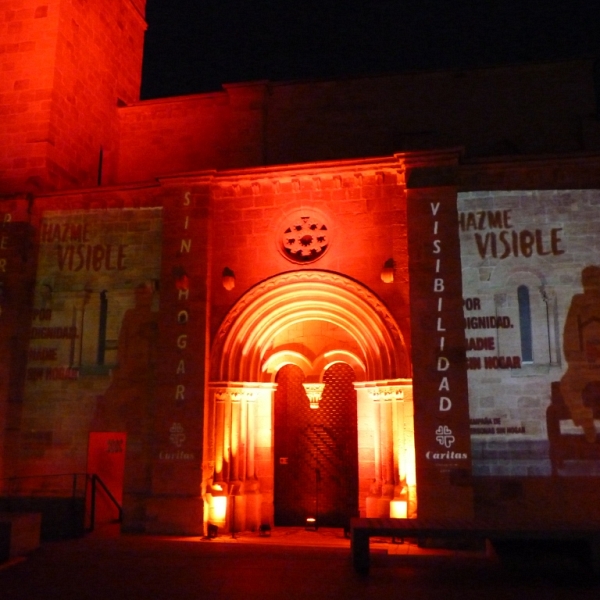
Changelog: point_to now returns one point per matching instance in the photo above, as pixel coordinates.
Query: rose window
(305, 240)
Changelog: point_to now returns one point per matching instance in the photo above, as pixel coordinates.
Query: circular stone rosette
(305, 236)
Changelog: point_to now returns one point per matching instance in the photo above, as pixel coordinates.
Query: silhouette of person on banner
(581, 346)
(136, 354)
(126, 402)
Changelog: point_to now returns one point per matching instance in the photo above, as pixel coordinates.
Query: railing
(60, 485)
(95, 480)
(77, 486)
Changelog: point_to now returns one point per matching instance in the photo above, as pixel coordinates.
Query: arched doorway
(313, 324)
(316, 450)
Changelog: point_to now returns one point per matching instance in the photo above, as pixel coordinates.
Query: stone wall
(66, 69)
(523, 110)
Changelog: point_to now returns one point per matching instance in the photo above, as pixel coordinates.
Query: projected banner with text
(531, 301)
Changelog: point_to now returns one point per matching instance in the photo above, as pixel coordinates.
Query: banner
(531, 302)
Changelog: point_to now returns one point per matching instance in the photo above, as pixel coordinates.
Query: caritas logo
(444, 437)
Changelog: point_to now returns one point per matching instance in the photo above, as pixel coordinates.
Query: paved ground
(291, 564)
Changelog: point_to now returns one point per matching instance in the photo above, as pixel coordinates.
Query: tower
(67, 65)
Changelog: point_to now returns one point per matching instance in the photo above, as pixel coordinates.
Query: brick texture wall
(65, 68)
(28, 32)
(363, 205)
(172, 136)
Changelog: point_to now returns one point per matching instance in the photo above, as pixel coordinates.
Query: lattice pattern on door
(316, 464)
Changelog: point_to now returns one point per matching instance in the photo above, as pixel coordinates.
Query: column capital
(314, 391)
(239, 391)
(385, 390)
(385, 394)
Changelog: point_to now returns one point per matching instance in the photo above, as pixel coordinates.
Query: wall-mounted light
(398, 509)
(387, 273)
(314, 391)
(217, 505)
(228, 279)
(220, 507)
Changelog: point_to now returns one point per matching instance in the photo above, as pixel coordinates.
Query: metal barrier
(95, 481)
(48, 493)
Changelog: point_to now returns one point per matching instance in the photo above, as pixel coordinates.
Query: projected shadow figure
(124, 406)
(581, 345)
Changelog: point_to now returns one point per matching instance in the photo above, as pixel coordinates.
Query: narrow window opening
(102, 328)
(100, 161)
(525, 324)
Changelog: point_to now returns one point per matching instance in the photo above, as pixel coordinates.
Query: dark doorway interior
(316, 450)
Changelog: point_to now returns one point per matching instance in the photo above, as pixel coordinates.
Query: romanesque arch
(245, 340)
(310, 319)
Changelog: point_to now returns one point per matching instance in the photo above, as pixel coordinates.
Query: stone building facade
(301, 299)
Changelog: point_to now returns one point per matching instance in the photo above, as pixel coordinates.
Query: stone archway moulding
(247, 352)
(240, 346)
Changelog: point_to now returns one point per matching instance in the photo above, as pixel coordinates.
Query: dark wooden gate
(316, 450)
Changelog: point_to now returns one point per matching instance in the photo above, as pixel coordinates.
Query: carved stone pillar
(386, 396)
(377, 440)
(236, 408)
(374, 508)
(235, 449)
(250, 437)
(243, 449)
(219, 432)
(227, 437)
(393, 443)
(407, 464)
(387, 449)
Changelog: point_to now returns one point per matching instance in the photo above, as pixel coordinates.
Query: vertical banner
(181, 372)
(443, 455)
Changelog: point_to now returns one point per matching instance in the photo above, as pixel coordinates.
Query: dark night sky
(196, 45)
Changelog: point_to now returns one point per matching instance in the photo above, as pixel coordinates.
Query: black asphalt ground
(291, 564)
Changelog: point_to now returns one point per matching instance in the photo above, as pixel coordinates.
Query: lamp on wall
(228, 279)
(387, 272)
(398, 509)
(314, 391)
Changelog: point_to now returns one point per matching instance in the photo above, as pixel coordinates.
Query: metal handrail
(94, 478)
(8, 485)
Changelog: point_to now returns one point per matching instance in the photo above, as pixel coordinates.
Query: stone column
(243, 438)
(385, 396)
(393, 444)
(398, 426)
(407, 465)
(227, 437)
(236, 398)
(263, 449)
(374, 497)
(219, 432)
(250, 488)
(377, 440)
(250, 438)
(387, 427)
(243, 449)
(387, 456)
